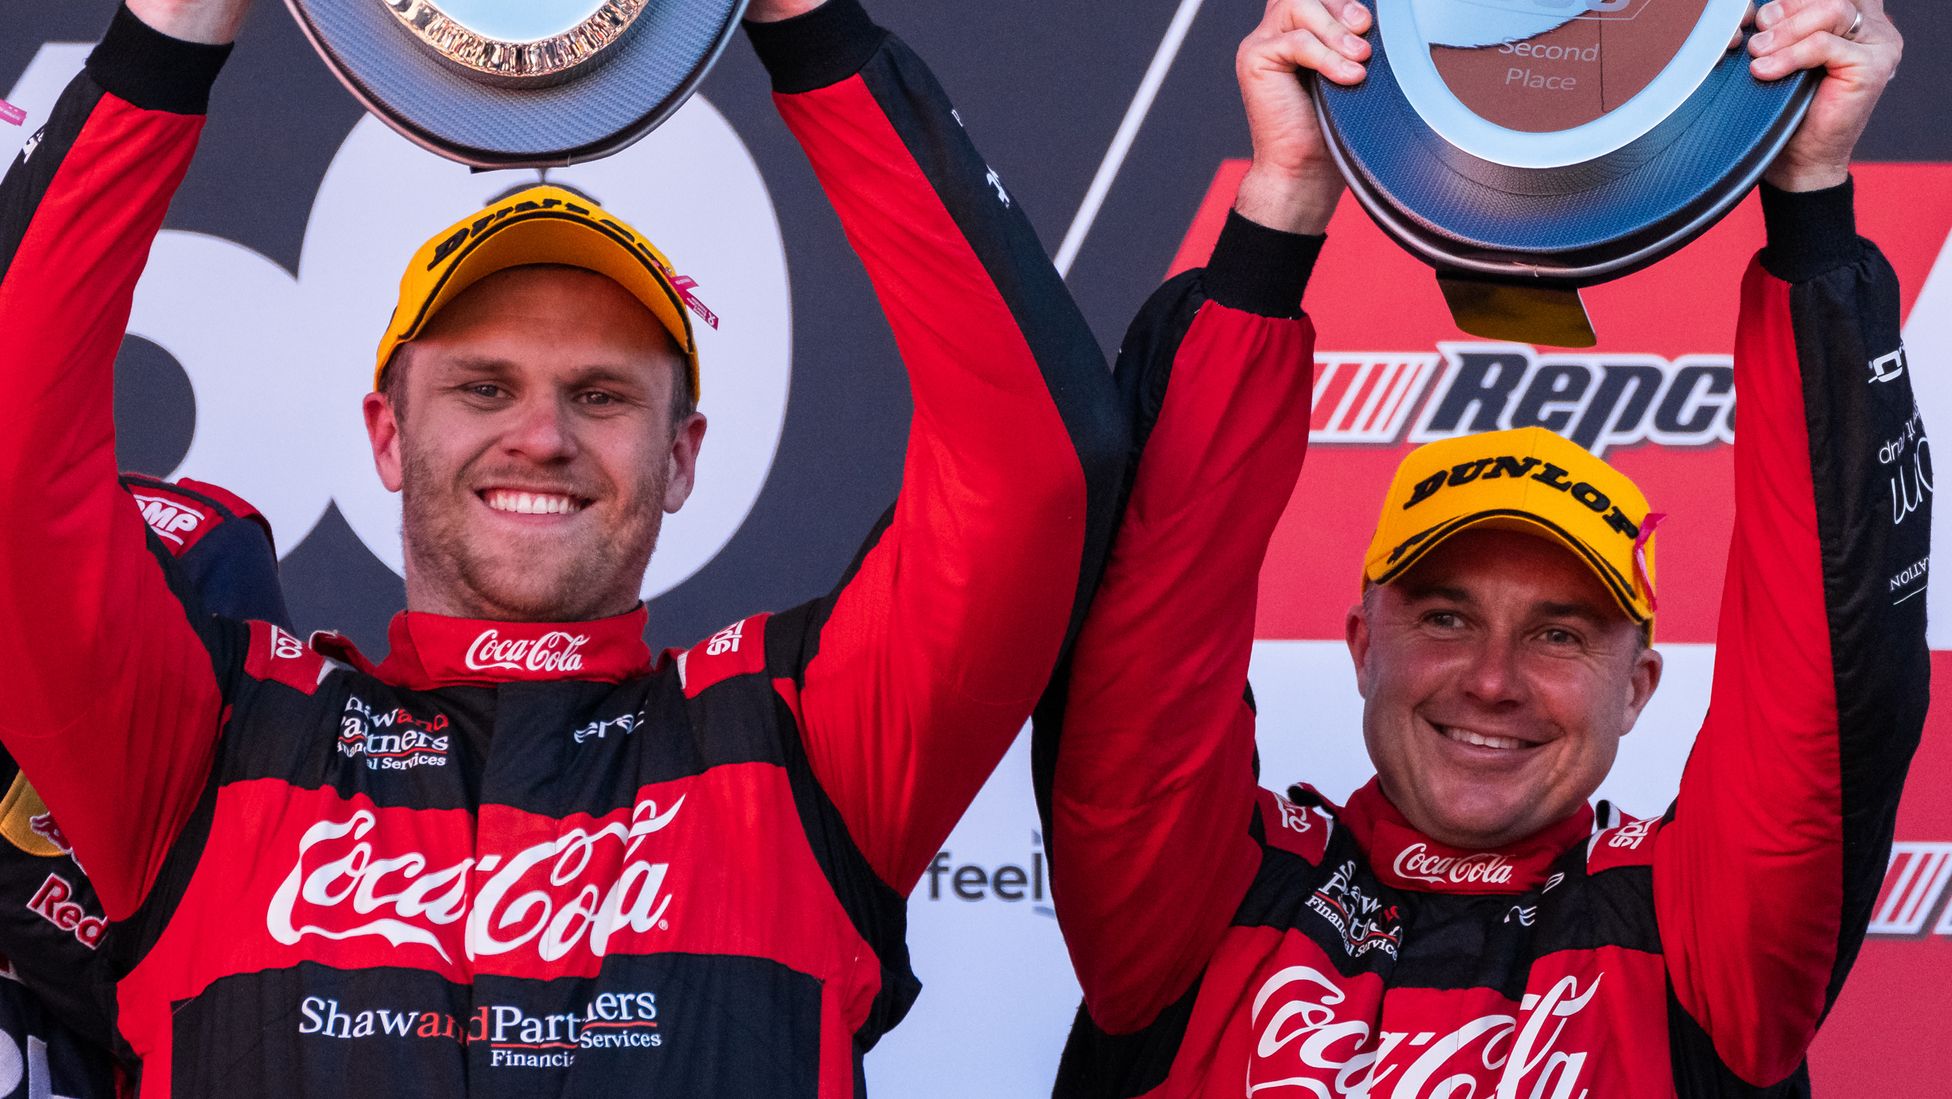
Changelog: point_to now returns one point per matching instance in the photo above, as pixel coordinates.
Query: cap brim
(555, 236)
(1620, 587)
(641, 79)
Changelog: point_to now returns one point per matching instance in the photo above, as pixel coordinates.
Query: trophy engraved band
(1527, 148)
(540, 83)
(551, 56)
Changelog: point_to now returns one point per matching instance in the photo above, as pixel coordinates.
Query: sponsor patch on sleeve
(1297, 829)
(1627, 845)
(738, 649)
(277, 655)
(179, 519)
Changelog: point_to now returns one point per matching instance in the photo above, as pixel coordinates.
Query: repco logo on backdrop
(347, 881)
(1912, 902)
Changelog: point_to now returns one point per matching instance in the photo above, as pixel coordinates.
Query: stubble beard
(461, 570)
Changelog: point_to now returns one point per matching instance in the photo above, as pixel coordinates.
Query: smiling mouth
(532, 503)
(1479, 740)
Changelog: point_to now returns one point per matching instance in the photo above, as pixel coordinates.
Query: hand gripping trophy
(1527, 148)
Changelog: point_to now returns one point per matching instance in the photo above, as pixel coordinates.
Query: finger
(1355, 16)
(1775, 11)
(1315, 18)
(1748, 20)
(1822, 50)
(1833, 17)
(1301, 49)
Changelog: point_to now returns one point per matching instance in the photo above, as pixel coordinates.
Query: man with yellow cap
(1467, 924)
(520, 855)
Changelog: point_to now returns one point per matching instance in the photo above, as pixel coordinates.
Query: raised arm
(1152, 793)
(1767, 870)
(918, 672)
(112, 702)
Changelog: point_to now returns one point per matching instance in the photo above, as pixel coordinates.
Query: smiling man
(1467, 923)
(520, 855)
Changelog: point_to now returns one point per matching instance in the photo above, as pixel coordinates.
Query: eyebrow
(597, 373)
(1585, 612)
(1425, 592)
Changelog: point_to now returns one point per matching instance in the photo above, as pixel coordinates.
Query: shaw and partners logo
(515, 1037)
(1364, 922)
(1302, 1046)
(391, 740)
(1597, 401)
(568, 894)
(554, 652)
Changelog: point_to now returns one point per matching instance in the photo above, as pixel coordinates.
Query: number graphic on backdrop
(278, 364)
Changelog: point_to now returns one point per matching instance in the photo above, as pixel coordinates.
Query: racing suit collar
(1405, 858)
(432, 650)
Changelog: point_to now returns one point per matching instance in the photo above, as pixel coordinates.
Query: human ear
(1355, 631)
(383, 431)
(1641, 684)
(682, 471)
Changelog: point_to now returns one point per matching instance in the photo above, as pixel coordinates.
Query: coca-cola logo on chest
(1418, 863)
(574, 892)
(557, 651)
(1313, 1036)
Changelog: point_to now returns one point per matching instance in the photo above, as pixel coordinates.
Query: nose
(1494, 677)
(542, 430)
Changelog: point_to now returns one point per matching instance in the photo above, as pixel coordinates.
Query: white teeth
(531, 503)
(1465, 736)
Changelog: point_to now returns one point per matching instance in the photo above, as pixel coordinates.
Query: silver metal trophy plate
(520, 83)
(1526, 148)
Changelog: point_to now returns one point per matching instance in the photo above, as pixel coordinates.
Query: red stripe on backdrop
(1377, 309)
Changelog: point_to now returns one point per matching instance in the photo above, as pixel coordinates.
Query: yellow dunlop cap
(538, 225)
(1527, 479)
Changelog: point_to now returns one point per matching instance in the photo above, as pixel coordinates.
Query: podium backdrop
(1118, 127)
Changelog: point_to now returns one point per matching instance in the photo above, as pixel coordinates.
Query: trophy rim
(1605, 256)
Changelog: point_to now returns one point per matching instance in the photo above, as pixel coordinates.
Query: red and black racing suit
(57, 998)
(1233, 942)
(527, 858)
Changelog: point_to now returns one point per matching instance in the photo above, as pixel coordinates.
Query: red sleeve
(924, 666)
(113, 703)
(1767, 869)
(1153, 789)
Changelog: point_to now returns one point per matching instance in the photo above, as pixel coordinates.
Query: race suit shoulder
(57, 980)
(521, 857)
(1322, 950)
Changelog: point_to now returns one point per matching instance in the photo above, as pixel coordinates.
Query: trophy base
(1496, 309)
